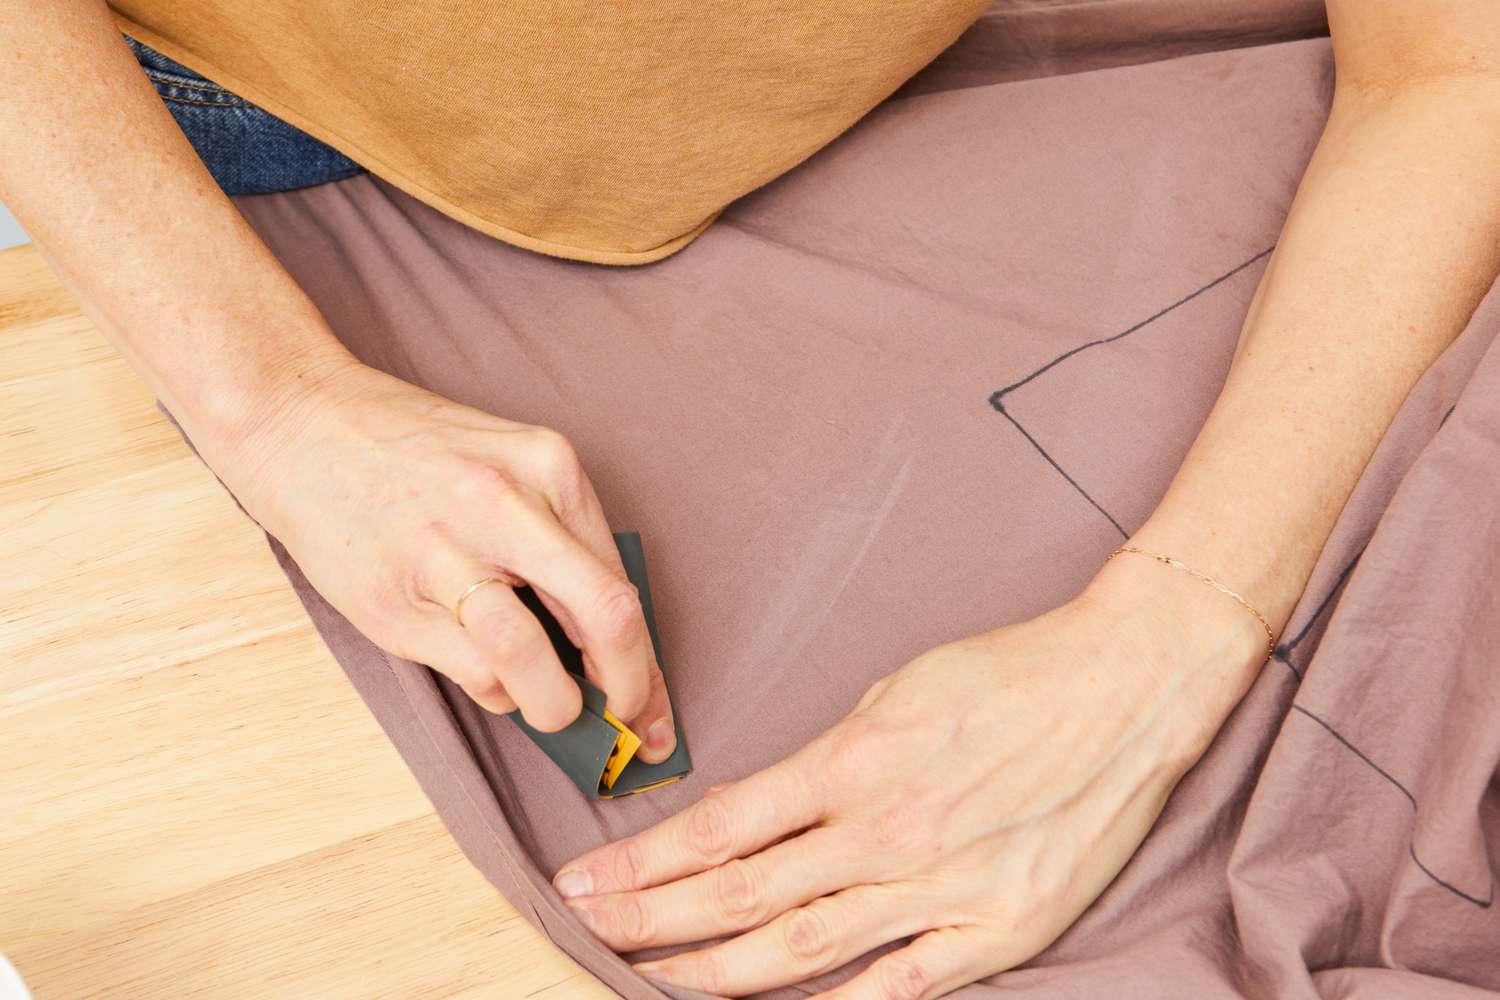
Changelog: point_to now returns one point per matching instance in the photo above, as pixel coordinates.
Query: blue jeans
(247, 150)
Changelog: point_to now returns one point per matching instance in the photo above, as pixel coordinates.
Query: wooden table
(193, 801)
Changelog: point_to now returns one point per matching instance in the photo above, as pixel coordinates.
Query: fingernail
(574, 883)
(659, 736)
(585, 916)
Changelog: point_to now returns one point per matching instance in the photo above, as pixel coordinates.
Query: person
(978, 799)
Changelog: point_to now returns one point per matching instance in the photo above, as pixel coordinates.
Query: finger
(653, 724)
(578, 508)
(518, 653)
(490, 627)
(490, 695)
(746, 816)
(737, 895)
(455, 656)
(935, 963)
(797, 945)
(603, 603)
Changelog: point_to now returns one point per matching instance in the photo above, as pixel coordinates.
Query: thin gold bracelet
(1270, 633)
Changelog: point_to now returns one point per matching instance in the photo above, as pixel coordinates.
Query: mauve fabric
(918, 388)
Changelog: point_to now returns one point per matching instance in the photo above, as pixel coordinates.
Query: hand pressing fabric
(978, 799)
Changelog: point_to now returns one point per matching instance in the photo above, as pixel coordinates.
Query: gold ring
(458, 607)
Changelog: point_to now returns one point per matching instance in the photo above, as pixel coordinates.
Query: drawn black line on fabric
(1283, 655)
(1282, 652)
(997, 397)
(1411, 799)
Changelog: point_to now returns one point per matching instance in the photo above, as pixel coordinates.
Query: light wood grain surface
(193, 800)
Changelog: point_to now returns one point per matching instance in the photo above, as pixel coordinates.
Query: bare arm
(1392, 240)
(160, 259)
(386, 495)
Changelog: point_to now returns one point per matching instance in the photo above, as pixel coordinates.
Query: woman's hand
(393, 500)
(978, 798)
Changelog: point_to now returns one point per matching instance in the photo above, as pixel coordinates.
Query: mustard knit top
(611, 131)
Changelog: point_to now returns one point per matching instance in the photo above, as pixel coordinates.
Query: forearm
(159, 258)
(1393, 238)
